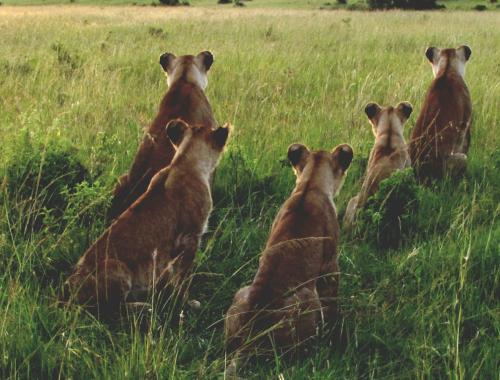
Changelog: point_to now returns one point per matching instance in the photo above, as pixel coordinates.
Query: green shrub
(84, 219)
(238, 186)
(480, 7)
(37, 180)
(87, 204)
(389, 214)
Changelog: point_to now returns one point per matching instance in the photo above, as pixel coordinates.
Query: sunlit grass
(90, 76)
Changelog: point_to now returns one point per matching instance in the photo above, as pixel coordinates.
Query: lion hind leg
(113, 283)
(456, 165)
(177, 273)
(108, 285)
(80, 288)
(350, 213)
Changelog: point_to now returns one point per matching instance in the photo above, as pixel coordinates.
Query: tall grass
(91, 78)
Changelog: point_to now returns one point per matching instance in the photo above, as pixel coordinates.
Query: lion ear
(297, 155)
(371, 110)
(167, 62)
(176, 130)
(431, 53)
(221, 134)
(344, 154)
(404, 110)
(466, 52)
(206, 58)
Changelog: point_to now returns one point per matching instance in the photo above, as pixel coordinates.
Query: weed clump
(68, 62)
(157, 32)
(38, 179)
(20, 68)
(390, 213)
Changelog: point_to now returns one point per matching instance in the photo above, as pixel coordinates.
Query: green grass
(90, 78)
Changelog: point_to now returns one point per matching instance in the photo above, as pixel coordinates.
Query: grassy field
(89, 80)
(289, 4)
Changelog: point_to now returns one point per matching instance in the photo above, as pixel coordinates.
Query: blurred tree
(170, 2)
(403, 4)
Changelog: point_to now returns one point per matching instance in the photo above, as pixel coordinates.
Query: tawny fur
(389, 153)
(440, 140)
(185, 100)
(153, 243)
(296, 285)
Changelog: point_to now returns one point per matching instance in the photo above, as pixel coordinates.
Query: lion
(441, 138)
(389, 152)
(296, 285)
(152, 245)
(185, 100)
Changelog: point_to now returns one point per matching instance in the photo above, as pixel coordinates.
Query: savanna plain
(82, 83)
